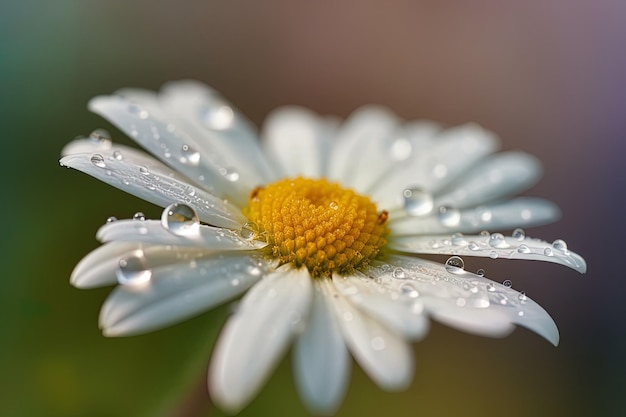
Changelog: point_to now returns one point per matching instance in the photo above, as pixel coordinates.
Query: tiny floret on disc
(317, 224)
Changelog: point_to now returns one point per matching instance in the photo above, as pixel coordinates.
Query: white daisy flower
(317, 226)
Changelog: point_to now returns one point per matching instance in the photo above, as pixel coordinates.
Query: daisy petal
(321, 360)
(452, 153)
(518, 212)
(253, 340)
(152, 231)
(150, 129)
(151, 183)
(218, 126)
(466, 301)
(502, 174)
(177, 291)
(298, 140)
(494, 246)
(397, 310)
(384, 355)
(358, 157)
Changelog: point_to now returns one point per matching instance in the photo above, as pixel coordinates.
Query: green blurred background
(547, 75)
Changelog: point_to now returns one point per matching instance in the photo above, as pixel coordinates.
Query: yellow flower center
(317, 224)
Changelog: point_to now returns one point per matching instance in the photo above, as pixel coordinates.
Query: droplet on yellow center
(317, 224)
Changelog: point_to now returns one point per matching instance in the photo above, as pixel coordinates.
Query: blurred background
(548, 76)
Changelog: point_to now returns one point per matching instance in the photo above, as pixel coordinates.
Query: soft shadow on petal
(256, 336)
(176, 292)
(384, 355)
(321, 362)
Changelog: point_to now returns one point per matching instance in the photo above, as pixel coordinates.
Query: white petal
(151, 130)
(453, 152)
(518, 212)
(151, 182)
(384, 355)
(254, 339)
(397, 310)
(495, 246)
(298, 141)
(176, 292)
(356, 160)
(501, 175)
(320, 359)
(218, 126)
(152, 231)
(464, 300)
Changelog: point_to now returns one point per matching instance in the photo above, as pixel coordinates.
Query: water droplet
(111, 219)
(417, 202)
(333, 205)
(409, 290)
(449, 216)
(101, 137)
(480, 272)
(497, 240)
(133, 270)
(458, 239)
(484, 233)
(378, 343)
(473, 246)
(98, 160)
(493, 254)
(398, 273)
(143, 170)
(519, 234)
(218, 117)
(254, 270)
(229, 174)
(181, 220)
(400, 149)
(484, 214)
(455, 264)
(507, 283)
(548, 252)
(117, 155)
(189, 155)
(560, 245)
(138, 111)
(522, 297)
(523, 249)
(139, 216)
(249, 231)
(491, 287)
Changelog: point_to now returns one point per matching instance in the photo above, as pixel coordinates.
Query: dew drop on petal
(548, 252)
(181, 220)
(398, 273)
(497, 240)
(143, 170)
(458, 239)
(139, 216)
(98, 160)
(491, 287)
(519, 234)
(480, 272)
(189, 155)
(417, 202)
(138, 111)
(218, 117)
(101, 137)
(485, 233)
(455, 264)
(507, 283)
(111, 219)
(560, 245)
(523, 249)
(409, 290)
(484, 214)
(249, 231)
(449, 216)
(117, 155)
(133, 270)
(473, 246)
(493, 254)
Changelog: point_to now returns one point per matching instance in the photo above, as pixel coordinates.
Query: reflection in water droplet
(484, 233)
(519, 234)
(491, 287)
(333, 205)
(449, 216)
(98, 160)
(218, 117)
(458, 239)
(507, 283)
(180, 219)
(417, 202)
(189, 155)
(409, 290)
(139, 216)
(455, 264)
(101, 137)
(249, 231)
(398, 273)
(133, 270)
(523, 249)
(111, 219)
(497, 240)
(560, 245)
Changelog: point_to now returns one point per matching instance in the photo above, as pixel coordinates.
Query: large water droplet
(560, 245)
(519, 234)
(449, 216)
(455, 264)
(98, 160)
(417, 202)
(189, 155)
(133, 270)
(458, 239)
(111, 219)
(143, 170)
(249, 231)
(139, 216)
(497, 240)
(218, 117)
(101, 137)
(507, 283)
(484, 214)
(493, 254)
(523, 249)
(181, 220)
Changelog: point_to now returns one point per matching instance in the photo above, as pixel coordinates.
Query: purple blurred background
(549, 77)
